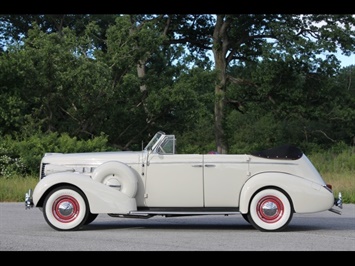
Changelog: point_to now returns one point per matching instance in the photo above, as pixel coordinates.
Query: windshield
(152, 143)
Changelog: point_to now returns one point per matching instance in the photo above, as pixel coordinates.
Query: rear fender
(305, 196)
(101, 198)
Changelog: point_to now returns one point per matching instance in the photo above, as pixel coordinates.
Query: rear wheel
(66, 208)
(270, 210)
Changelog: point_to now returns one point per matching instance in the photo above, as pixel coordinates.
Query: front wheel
(66, 209)
(270, 210)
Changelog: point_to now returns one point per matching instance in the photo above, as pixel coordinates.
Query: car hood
(92, 159)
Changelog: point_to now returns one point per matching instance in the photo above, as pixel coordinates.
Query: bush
(20, 157)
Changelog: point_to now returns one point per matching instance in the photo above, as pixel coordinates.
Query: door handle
(210, 165)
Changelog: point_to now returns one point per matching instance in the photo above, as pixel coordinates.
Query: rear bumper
(338, 202)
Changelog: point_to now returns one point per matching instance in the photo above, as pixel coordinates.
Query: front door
(174, 180)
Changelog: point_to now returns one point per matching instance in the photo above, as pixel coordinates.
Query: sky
(346, 60)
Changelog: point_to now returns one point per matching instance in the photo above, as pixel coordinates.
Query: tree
(15, 27)
(152, 86)
(297, 39)
(92, 73)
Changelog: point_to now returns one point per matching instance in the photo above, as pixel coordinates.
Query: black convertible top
(287, 151)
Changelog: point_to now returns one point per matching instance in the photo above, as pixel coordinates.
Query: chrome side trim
(180, 213)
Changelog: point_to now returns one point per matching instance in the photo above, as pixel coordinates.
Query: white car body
(266, 187)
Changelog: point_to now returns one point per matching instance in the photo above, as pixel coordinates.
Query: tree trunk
(220, 48)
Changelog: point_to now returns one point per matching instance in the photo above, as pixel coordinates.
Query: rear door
(224, 176)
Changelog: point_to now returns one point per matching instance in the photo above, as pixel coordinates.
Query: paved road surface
(26, 230)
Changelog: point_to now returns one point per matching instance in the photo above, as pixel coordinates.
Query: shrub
(22, 156)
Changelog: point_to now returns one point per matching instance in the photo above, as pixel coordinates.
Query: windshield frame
(155, 141)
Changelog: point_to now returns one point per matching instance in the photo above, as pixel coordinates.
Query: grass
(338, 169)
(342, 182)
(14, 189)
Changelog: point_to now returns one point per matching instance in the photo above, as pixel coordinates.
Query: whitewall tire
(66, 208)
(270, 210)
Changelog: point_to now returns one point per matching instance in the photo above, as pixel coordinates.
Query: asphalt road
(26, 230)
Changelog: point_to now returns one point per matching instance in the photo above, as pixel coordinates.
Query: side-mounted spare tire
(117, 175)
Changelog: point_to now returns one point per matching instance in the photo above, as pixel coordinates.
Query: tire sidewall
(282, 221)
(81, 215)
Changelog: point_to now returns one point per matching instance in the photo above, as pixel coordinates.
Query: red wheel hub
(270, 209)
(65, 209)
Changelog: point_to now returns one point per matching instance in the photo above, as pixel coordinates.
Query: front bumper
(28, 199)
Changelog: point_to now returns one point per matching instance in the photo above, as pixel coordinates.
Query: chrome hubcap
(65, 208)
(269, 209)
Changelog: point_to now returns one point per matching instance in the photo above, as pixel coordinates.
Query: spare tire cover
(121, 173)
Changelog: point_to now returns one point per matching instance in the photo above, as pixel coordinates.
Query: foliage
(22, 156)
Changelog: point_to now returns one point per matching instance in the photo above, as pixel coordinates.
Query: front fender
(306, 196)
(101, 198)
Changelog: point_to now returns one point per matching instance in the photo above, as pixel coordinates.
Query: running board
(176, 213)
(149, 214)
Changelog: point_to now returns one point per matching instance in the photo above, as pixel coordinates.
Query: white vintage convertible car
(265, 187)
